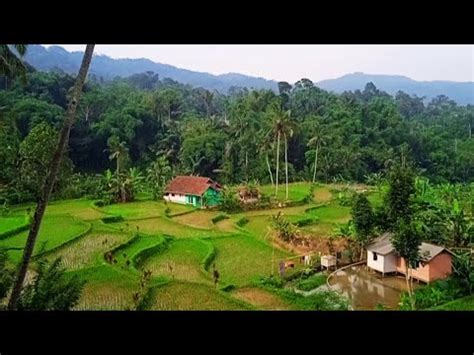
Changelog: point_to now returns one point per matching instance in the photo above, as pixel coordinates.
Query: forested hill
(54, 58)
(461, 92)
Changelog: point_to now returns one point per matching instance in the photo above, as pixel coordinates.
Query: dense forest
(153, 127)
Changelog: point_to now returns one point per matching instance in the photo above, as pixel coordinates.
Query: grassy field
(180, 245)
(11, 222)
(462, 304)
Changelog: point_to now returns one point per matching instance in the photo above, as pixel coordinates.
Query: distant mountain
(461, 92)
(56, 57)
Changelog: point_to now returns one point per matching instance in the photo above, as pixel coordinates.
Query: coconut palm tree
(280, 126)
(265, 147)
(52, 174)
(316, 141)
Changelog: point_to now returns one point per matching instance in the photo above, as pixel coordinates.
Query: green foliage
(311, 282)
(228, 200)
(158, 174)
(242, 221)
(112, 219)
(6, 274)
(406, 241)
(398, 200)
(35, 156)
(363, 219)
(305, 221)
(219, 218)
(51, 289)
(283, 227)
(437, 293)
(463, 271)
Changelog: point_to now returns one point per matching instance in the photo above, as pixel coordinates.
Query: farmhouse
(435, 263)
(193, 190)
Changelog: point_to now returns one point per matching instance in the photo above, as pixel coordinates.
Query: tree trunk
(277, 164)
(269, 168)
(247, 166)
(315, 164)
(407, 279)
(51, 177)
(286, 166)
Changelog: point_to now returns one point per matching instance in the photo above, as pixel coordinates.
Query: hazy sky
(315, 62)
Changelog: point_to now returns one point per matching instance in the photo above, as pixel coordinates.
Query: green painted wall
(212, 197)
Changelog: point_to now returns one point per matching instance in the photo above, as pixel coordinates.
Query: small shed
(328, 261)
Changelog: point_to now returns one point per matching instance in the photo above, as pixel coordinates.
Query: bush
(219, 218)
(112, 219)
(311, 282)
(306, 221)
(228, 288)
(271, 281)
(242, 221)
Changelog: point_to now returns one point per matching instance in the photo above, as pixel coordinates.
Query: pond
(366, 289)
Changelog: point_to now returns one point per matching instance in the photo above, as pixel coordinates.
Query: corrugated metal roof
(383, 246)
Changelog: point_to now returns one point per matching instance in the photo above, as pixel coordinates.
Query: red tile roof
(191, 185)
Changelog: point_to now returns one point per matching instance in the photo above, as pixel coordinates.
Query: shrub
(312, 282)
(242, 221)
(306, 221)
(219, 218)
(112, 219)
(228, 288)
(271, 281)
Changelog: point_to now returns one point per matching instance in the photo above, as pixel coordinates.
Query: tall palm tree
(316, 141)
(280, 126)
(118, 152)
(265, 147)
(52, 174)
(288, 132)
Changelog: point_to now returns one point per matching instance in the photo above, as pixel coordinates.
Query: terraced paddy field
(180, 245)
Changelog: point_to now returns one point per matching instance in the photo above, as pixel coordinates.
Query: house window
(172, 195)
(374, 256)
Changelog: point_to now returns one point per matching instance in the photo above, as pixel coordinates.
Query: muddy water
(366, 289)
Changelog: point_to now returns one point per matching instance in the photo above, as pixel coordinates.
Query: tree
(406, 241)
(399, 195)
(281, 125)
(52, 174)
(316, 141)
(363, 218)
(158, 174)
(35, 155)
(10, 60)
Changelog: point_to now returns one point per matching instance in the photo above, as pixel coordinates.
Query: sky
(315, 62)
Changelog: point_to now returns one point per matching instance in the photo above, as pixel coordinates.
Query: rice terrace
(126, 189)
(179, 244)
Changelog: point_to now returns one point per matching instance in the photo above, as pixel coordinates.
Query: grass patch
(163, 225)
(185, 256)
(107, 288)
(261, 299)
(461, 304)
(198, 219)
(54, 232)
(179, 295)
(87, 250)
(241, 259)
(143, 209)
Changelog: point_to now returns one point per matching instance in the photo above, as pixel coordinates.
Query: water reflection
(366, 288)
